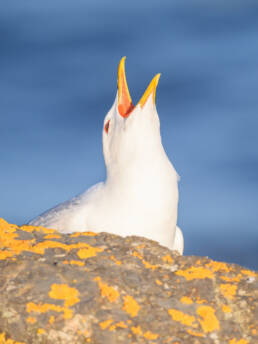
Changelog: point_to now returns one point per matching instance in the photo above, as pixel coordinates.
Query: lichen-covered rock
(105, 289)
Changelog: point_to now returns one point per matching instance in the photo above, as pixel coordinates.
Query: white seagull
(140, 193)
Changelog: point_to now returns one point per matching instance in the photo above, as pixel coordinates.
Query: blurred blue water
(58, 62)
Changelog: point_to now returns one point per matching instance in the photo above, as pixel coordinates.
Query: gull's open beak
(150, 90)
(125, 104)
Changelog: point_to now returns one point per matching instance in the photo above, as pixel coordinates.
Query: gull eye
(106, 126)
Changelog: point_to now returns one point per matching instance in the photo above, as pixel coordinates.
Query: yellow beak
(151, 89)
(125, 104)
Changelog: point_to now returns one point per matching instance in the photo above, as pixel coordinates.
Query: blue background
(58, 65)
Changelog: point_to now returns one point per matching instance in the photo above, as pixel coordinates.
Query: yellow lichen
(231, 279)
(137, 330)
(195, 273)
(118, 262)
(77, 234)
(107, 291)
(208, 319)
(158, 282)
(196, 334)
(131, 306)
(64, 292)
(46, 307)
(105, 324)
(88, 252)
(145, 263)
(200, 301)
(12, 246)
(249, 273)
(51, 319)
(228, 290)
(5, 254)
(31, 229)
(74, 262)
(167, 259)
(52, 236)
(186, 300)
(151, 336)
(218, 266)
(4, 340)
(120, 324)
(240, 341)
(41, 331)
(182, 317)
(226, 309)
(31, 320)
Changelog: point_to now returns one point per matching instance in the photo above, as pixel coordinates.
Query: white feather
(140, 193)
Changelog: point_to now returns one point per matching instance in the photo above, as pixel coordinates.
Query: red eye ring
(106, 126)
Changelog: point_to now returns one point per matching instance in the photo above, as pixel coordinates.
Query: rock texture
(105, 289)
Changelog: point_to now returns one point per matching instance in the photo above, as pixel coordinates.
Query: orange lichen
(31, 229)
(51, 320)
(218, 266)
(88, 252)
(181, 317)
(151, 336)
(12, 246)
(145, 263)
(131, 306)
(195, 273)
(77, 234)
(249, 273)
(231, 279)
(199, 301)
(105, 324)
(208, 319)
(228, 290)
(4, 225)
(167, 259)
(52, 236)
(137, 330)
(74, 262)
(120, 324)
(5, 254)
(186, 300)
(139, 247)
(46, 307)
(64, 292)
(158, 282)
(196, 334)
(226, 309)
(31, 320)
(118, 262)
(107, 291)
(4, 340)
(235, 341)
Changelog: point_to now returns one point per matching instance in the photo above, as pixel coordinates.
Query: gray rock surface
(105, 289)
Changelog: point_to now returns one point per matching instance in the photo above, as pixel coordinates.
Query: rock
(105, 289)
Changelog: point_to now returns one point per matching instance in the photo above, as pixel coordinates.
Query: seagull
(140, 193)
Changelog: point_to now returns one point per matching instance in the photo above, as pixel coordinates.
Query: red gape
(125, 110)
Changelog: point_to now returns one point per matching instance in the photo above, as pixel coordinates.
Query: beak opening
(125, 104)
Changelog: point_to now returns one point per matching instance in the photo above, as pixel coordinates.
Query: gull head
(131, 134)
